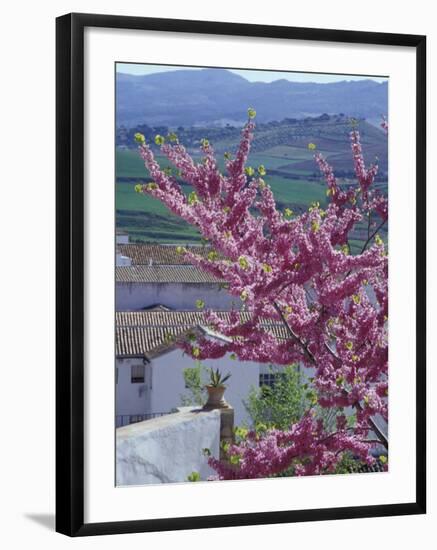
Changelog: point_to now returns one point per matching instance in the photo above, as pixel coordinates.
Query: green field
(130, 165)
(146, 219)
(291, 172)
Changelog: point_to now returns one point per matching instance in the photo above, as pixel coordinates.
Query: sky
(251, 75)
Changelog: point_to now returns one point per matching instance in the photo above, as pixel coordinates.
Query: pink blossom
(307, 299)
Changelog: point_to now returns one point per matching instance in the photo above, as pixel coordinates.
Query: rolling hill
(219, 97)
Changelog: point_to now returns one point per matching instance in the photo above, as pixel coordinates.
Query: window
(268, 379)
(137, 374)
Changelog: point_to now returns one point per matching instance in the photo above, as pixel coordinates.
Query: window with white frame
(137, 374)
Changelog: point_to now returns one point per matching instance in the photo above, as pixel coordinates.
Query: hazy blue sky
(253, 76)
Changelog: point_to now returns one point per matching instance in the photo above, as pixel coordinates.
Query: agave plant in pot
(216, 389)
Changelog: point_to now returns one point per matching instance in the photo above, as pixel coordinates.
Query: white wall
(164, 384)
(131, 398)
(28, 114)
(135, 296)
(167, 449)
(168, 381)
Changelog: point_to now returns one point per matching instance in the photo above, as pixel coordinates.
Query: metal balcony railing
(126, 419)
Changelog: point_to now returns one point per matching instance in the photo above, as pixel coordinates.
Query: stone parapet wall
(167, 449)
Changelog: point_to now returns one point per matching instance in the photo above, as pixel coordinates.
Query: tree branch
(378, 431)
(372, 235)
(294, 336)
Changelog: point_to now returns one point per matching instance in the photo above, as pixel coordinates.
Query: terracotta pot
(216, 398)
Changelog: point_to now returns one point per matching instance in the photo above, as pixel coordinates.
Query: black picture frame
(70, 273)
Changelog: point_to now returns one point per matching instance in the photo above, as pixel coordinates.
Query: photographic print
(251, 262)
(236, 314)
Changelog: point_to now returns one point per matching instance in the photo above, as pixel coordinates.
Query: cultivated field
(291, 172)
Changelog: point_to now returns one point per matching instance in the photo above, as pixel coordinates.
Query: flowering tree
(296, 271)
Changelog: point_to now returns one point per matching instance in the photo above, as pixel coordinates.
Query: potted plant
(216, 390)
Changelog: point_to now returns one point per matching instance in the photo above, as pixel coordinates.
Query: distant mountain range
(219, 97)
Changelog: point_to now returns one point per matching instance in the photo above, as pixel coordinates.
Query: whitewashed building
(175, 286)
(156, 294)
(149, 274)
(149, 367)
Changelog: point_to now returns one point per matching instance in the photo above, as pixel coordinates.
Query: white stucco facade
(177, 296)
(169, 386)
(164, 384)
(132, 398)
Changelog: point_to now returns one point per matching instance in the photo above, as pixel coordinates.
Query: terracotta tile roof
(158, 254)
(165, 318)
(141, 341)
(142, 333)
(170, 317)
(163, 274)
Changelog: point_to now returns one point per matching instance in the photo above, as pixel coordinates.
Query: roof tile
(159, 254)
(184, 274)
(139, 333)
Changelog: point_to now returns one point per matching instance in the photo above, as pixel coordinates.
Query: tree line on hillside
(289, 128)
